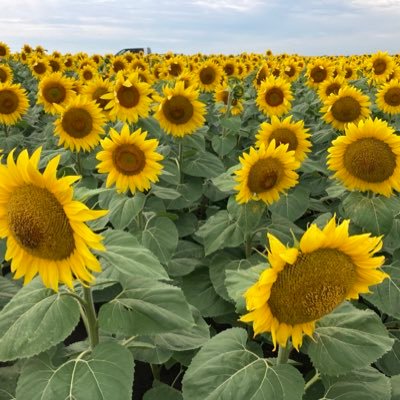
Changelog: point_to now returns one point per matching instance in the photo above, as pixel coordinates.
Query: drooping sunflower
(4, 50)
(331, 86)
(130, 160)
(349, 105)
(180, 112)
(274, 97)
(367, 157)
(130, 98)
(304, 284)
(265, 173)
(54, 89)
(13, 103)
(6, 74)
(286, 132)
(80, 124)
(222, 95)
(388, 97)
(97, 88)
(45, 228)
(209, 75)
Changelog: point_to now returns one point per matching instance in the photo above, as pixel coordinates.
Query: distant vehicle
(144, 50)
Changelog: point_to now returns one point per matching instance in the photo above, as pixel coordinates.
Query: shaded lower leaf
(226, 369)
(106, 373)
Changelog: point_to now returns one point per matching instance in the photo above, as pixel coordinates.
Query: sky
(305, 27)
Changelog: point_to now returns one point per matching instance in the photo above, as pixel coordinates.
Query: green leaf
(130, 258)
(284, 229)
(163, 392)
(389, 364)
(160, 236)
(106, 373)
(144, 349)
(348, 339)
(200, 292)
(238, 281)
(225, 369)
(186, 224)
(124, 209)
(386, 295)
(187, 257)
(395, 382)
(292, 205)
(203, 164)
(8, 382)
(35, 320)
(8, 289)
(165, 193)
(373, 214)
(365, 384)
(226, 181)
(190, 191)
(222, 145)
(146, 307)
(220, 231)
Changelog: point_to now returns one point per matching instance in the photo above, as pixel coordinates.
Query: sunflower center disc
(2, 51)
(178, 110)
(370, 159)
(263, 175)
(392, 97)
(118, 66)
(285, 136)
(8, 102)
(274, 97)
(379, 66)
(346, 109)
(207, 75)
(77, 123)
(39, 223)
(87, 75)
(318, 74)
(332, 88)
(129, 159)
(229, 69)
(3, 76)
(55, 93)
(100, 91)
(128, 97)
(312, 287)
(39, 68)
(175, 69)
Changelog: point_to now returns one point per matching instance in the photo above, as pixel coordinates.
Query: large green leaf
(203, 164)
(160, 236)
(395, 382)
(8, 288)
(226, 369)
(130, 258)
(365, 384)
(35, 320)
(124, 209)
(144, 349)
(373, 214)
(8, 382)
(163, 392)
(104, 374)
(348, 339)
(292, 205)
(386, 295)
(389, 364)
(146, 307)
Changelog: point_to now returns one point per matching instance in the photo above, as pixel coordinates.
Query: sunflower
(331, 86)
(261, 75)
(174, 67)
(380, 66)
(54, 89)
(229, 67)
(180, 112)
(6, 74)
(286, 132)
(130, 160)
(209, 75)
(130, 98)
(291, 70)
(388, 97)
(266, 173)
(39, 66)
(318, 71)
(80, 124)
(274, 97)
(97, 88)
(45, 228)
(4, 50)
(367, 157)
(119, 64)
(13, 103)
(87, 73)
(349, 105)
(56, 64)
(222, 95)
(305, 283)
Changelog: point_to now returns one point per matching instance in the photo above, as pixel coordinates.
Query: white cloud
(236, 5)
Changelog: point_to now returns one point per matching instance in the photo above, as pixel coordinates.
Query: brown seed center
(129, 159)
(207, 75)
(264, 175)
(128, 97)
(77, 123)
(178, 110)
(346, 109)
(318, 74)
(392, 97)
(8, 102)
(274, 97)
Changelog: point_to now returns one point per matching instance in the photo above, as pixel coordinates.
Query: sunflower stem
(92, 322)
(283, 354)
(180, 157)
(311, 382)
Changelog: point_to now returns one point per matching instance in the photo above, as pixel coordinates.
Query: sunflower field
(199, 227)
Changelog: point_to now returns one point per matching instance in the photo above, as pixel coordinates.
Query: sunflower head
(209, 75)
(388, 97)
(4, 50)
(129, 160)
(6, 74)
(305, 283)
(13, 103)
(45, 228)
(265, 173)
(367, 157)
